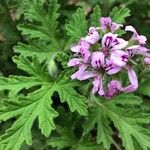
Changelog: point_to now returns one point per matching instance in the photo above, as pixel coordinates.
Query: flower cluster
(102, 53)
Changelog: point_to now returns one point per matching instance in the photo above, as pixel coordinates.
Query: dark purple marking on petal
(124, 58)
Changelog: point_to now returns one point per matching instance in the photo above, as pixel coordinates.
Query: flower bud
(53, 68)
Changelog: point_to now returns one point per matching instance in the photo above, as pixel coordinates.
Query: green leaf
(144, 88)
(45, 28)
(95, 17)
(33, 68)
(37, 50)
(35, 105)
(75, 101)
(125, 119)
(104, 132)
(127, 99)
(119, 15)
(77, 26)
(16, 83)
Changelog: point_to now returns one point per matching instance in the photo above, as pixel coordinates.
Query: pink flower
(111, 42)
(107, 24)
(93, 36)
(101, 61)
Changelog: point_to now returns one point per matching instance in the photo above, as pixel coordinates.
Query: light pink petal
(140, 38)
(105, 22)
(84, 44)
(108, 39)
(85, 53)
(81, 74)
(97, 59)
(147, 60)
(98, 86)
(111, 68)
(74, 62)
(111, 41)
(120, 44)
(130, 28)
(93, 36)
(114, 87)
(75, 48)
(119, 58)
(115, 26)
(134, 82)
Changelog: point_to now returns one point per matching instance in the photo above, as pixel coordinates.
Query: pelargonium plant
(102, 54)
(94, 97)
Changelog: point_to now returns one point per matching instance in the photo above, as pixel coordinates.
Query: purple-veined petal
(133, 80)
(97, 59)
(114, 87)
(107, 24)
(147, 60)
(114, 26)
(111, 68)
(74, 62)
(98, 85)
(82, 44)
(85, 53)
(112, 42)
(82, 74)
(93, 35)
(119, 58)
(119, 44)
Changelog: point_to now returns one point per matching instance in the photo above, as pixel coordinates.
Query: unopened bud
(53, 68)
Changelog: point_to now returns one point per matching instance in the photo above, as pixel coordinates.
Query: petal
(97, 59)
(75, 48)
(147, 60)
(93, 36)
(98, 86)
(134, 81)
(105, 22)
(81, 74)
(114, 87)
(120, 43)
(84, 44)
(111, 68)
(114, 26)
(132, 29)
(140, 38)
(85, 53)
(108, 39)
(119, 58)
(74, 62)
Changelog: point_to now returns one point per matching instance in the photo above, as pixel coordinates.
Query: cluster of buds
(102, 53)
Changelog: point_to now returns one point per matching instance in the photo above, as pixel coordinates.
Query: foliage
(41, 95)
